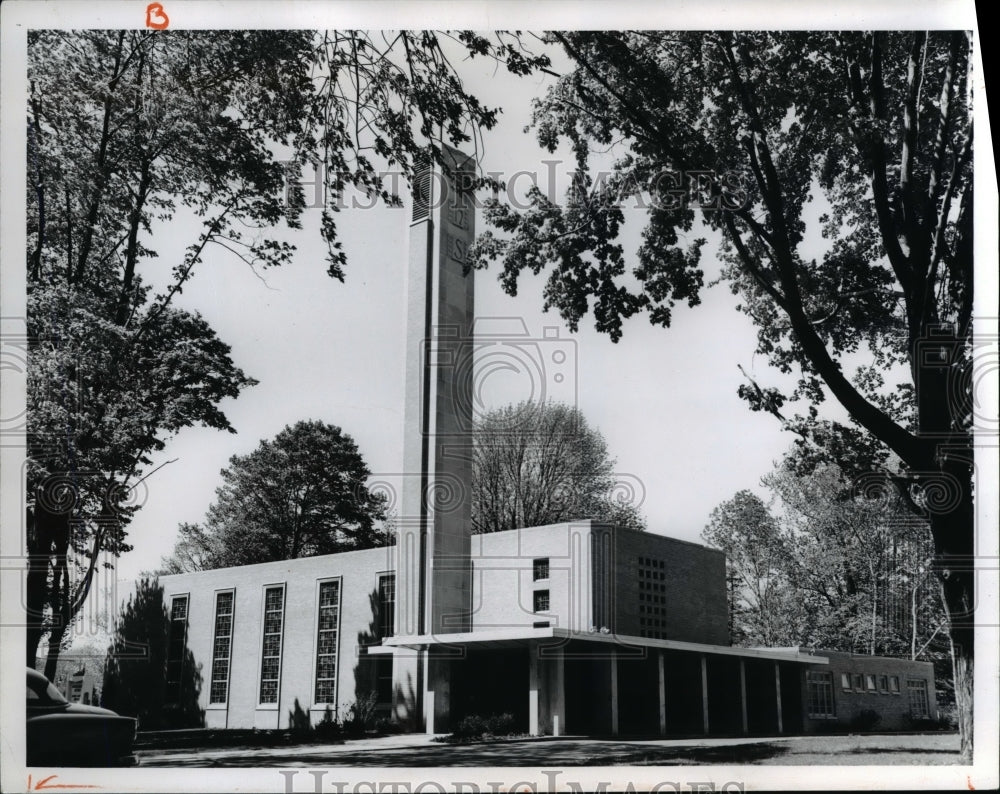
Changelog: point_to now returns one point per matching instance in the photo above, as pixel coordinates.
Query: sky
(664, 399)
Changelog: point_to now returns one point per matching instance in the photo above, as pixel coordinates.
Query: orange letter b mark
(156, 18)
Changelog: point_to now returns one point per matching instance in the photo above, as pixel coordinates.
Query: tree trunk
(954, 564)
(39, 544)
(46, 531)
(55, 646)
(874, 619)
(962, 667)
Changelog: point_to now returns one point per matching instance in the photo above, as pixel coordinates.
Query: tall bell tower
(433, 567)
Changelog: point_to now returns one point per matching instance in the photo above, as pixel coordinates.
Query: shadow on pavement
(530, 753)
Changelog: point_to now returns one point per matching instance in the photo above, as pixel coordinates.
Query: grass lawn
(922, 749)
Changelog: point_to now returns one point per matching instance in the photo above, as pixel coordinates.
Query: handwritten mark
(156, 17)
(968, 782)
(43, 784)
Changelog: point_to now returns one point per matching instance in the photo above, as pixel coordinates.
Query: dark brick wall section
(891, 703)
(669, 589)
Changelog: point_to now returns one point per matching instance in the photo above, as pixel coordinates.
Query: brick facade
(357, 573)
(669, 589)
(877, 685)
(598, 588)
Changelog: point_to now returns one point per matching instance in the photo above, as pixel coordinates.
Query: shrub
(387, 725)
(866, 720)
(476, 727)
(471, 727)
(327, 728)
(500, 724)
(926, 724)
(361, 715)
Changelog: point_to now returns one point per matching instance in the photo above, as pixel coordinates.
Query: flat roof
(523, 636)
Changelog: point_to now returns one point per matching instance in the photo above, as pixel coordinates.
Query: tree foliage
(536, 464)
(136, 679)
(301, 494)
(828, 567)
(135, 134)
(835, 168)
(761, 601)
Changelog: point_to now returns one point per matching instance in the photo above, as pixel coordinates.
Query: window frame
(871, 682)
(918, 685)
(548, 602)
(536, 564)
(381, 577)
(169, 682)
(894, 688)
(261, 704)
(323, 704)
(820, 682)
(845, 682)
(224, 703)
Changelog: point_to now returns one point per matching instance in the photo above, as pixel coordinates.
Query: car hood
(80, 708)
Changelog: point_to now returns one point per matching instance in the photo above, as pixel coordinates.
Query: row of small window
(650, 562)
(646, 574)
(653, 599)
(820, 699)
(327, 630)
(653, 634)
(659, 588)
(652, 610)
(658, 623)
(868, 682)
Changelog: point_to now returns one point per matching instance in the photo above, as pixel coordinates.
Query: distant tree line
(827, 566)
(305, 492)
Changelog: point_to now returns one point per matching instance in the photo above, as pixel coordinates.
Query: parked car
(60, 733)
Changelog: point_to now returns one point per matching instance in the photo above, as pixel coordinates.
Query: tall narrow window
(221, 648)
(540, 569)
(176, 644)
(328, 626)
(917, 691)
(383, 681)
(386, 605)
(819, 685)
(541, 601)
(270, 657)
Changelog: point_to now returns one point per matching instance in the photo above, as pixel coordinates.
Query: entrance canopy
(553, 635)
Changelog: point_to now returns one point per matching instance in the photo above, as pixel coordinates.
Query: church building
(575, 628)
